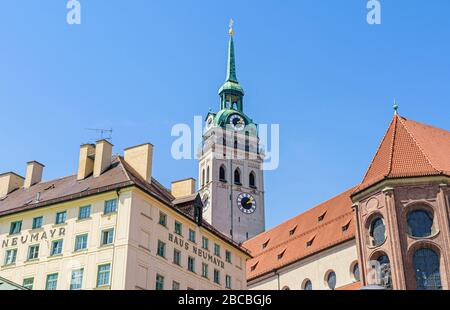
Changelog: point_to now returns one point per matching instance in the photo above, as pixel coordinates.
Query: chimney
(9, 181)
(183, 188)
(34, 173)
(140, 159)
(103, 153)
(86, 161)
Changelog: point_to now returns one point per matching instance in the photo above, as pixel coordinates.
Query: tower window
(207, 175)
(420, 223)
(251, 180)
(203, 177)
(237, 177)
(222, 174)
(235, 143)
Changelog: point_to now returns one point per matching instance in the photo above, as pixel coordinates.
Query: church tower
(231, 181)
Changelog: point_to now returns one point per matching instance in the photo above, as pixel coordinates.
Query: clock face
(246, 203)
(237, 122)
(209, 122)
(206, 201)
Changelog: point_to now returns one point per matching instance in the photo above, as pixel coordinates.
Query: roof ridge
(303, 234)
(122, 166)
(391, 151)
(418, 145)
(376, 153)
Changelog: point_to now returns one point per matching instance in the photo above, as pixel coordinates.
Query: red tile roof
(409, 149)
(350, 287)
(320, 234)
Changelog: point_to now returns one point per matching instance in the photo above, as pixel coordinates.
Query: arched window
(207, 175)
(203, 177)
(426, 265)
(384, 272)
(377, 231)
(286, 288)
(237, 177)
(307, 285)
(355, 272)
(331, 280)
(222, 176)
(420, 223)
(251, 179)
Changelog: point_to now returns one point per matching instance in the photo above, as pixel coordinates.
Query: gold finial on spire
(230, 31)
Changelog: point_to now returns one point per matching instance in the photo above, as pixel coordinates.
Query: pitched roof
(409, 149)
(315, 230)
(119, 175)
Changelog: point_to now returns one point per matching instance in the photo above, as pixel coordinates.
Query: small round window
(331, 280)
(420, 223)
(377, 231)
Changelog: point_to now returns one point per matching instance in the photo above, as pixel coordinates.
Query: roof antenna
(395, 107)
(102, 132)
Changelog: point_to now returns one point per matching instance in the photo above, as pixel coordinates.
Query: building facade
(391, 231)
(111, 226)
(230, 163)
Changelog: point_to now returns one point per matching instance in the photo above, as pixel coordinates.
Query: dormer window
(253, 267)
(310, 242)
(281, 254)
(321, 217)
(265, 244)
(292, 231)
(346, 226)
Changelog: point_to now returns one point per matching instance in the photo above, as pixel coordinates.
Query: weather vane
(231, 27)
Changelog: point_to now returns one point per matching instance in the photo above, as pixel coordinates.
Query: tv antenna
(104, 133)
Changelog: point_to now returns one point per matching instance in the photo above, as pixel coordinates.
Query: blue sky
(141, 66)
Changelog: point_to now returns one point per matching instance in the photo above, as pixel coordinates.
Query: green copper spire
(231, 92)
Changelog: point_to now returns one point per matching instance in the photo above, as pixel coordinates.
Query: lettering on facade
(202, 253)
(33, 237)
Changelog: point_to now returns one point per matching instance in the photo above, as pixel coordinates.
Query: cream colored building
(111, 226)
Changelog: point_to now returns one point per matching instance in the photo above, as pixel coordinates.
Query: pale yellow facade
(341, 259)
(132, 255)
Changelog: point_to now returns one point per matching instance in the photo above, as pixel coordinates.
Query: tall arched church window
(207, 175)
(222, 176)
(251, 179)
(237, 177)
(203, 177)
(420, 223)
(426, 265)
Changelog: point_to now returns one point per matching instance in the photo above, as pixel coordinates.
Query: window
(228, 256)
(307, 286)
(10, 256)
(56, 248)
(331, 280)
(108, 236)
(310, 242)
(228, 281)
(281, 254)
(175, 286)
(203, 177)
(207, 175)
(355, 272)
(176, 257)
(110, 206)
(253, 267)
(37, 222)
(292, 231)
(321, 217)
(192, 235)
(204, 270)
(76, 279)
(33, 252)
(85, 212)
(51, 282)
(15, 227)
(426, 265)
(81, 242)
(237, 177)
(162, 219)
(191, 264)
(159, 282)
(384, 271)
(346, 226)
(60, 217)
(205, 243)
(265, 244)
(420, 223)
(178, 228)
(285, 288)
(222, 176)
(216, 276)
(161, 251)
(251, 179)
(103, 273)
(28, 283)
(377, 231)
(216, 249)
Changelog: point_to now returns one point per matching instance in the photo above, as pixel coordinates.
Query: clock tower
(231, 181)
